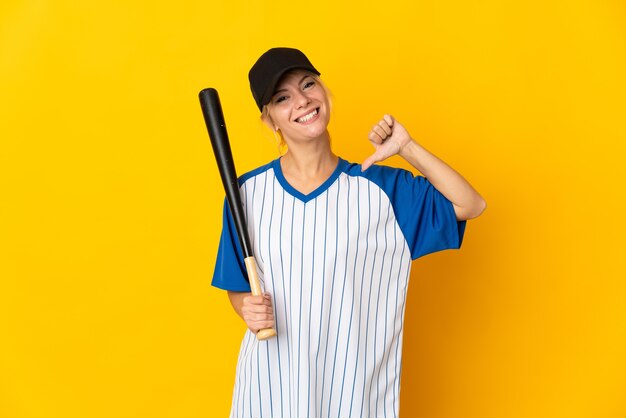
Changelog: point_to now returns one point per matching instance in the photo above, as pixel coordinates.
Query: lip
(313, 119)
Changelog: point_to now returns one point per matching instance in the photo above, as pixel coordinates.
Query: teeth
(308, 117)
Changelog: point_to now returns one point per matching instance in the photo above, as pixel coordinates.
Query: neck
(309, 159)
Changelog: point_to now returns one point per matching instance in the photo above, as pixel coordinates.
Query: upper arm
(230, 271)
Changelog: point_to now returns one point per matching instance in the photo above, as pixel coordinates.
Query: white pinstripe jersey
(337, 263)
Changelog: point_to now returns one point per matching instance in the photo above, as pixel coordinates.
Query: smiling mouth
(308, 116)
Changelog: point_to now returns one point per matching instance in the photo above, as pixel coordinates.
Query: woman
(334, 243)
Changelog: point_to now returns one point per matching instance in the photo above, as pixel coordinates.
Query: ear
(267, 119)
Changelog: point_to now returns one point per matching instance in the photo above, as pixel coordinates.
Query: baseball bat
(214, 119)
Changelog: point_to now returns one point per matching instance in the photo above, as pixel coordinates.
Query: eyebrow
(301, 80)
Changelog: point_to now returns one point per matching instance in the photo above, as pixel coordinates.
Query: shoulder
(375, 171)
(387, 178)
(257, 171)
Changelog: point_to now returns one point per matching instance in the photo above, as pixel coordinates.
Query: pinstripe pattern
(337, 267)
(336, 262)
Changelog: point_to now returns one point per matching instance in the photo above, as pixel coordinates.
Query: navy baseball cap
(270, 67)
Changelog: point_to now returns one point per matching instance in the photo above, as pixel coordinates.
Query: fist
(388, 137)
(257, 312)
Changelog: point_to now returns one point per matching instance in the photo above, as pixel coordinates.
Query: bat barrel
(214, 119)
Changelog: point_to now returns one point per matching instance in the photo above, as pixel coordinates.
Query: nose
(301, 100)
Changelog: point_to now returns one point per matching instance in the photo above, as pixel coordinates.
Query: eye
(280, 99)
(308, 84)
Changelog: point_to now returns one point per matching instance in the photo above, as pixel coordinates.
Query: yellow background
(110, 204)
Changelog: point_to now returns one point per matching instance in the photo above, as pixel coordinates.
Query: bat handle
(255, 285)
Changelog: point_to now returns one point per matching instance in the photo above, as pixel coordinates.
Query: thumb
(369, 161)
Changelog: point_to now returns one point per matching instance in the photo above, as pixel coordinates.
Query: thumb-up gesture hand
(388, 137)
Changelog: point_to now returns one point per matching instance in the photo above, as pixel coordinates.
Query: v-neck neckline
(341, 164)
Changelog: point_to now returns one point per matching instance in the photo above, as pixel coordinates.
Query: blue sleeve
(425, 216)
(230, 269)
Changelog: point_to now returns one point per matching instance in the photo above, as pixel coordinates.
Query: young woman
(334, 243)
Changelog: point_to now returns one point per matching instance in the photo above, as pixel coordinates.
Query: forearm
(465, 199)
(256, 311)
(236, 299)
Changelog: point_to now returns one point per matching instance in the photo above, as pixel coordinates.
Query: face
(299, 107)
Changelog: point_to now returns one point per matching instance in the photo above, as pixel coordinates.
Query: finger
(255, 300)
(266, 299)
(381, 131)
(369, 161)
(258, 317)
(389, 119)
(256, 308)
(367, 164)
(375, 138)
(385, 126)
(256, 313)
(257, 326)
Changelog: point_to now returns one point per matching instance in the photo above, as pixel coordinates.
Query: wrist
(408, 148)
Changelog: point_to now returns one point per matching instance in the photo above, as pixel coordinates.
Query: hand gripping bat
(214, 119)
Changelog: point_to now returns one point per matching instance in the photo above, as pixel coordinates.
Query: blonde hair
(267, 120)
